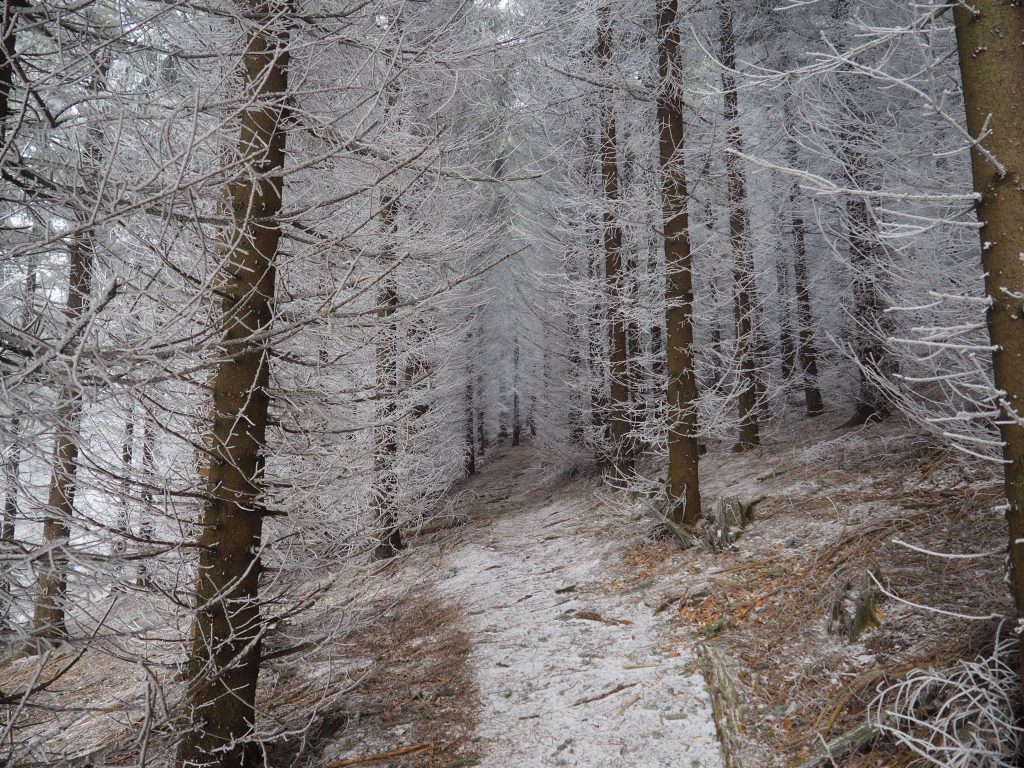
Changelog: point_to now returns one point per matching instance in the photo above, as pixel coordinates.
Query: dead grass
(415, 694)
(829, 514)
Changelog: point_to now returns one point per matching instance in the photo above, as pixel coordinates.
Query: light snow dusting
(571, 672)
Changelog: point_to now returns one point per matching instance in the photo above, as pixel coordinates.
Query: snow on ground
(570, 671)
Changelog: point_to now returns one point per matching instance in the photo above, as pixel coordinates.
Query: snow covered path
(571, 672)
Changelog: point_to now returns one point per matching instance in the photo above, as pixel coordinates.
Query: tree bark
(807, 353)
(469, 439)
(8, 53)
(787, 346)
(596, 362)
(867, 254)
(388, 535)
(990, 35)
(868, 314)
(224, 663)
(618, 407)
(120, 545)
(683, 452)
(12, 465)
(743, 268)
(575, 366)
(384, 491)
(517, 423)
(48, 620)
(481, 416)
(149, 478)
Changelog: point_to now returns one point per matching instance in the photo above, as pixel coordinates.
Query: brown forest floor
(833, 501)
(396, 680)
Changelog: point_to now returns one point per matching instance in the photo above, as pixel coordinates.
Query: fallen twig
(841, 746)
(724, 703)
(411, 749)
(621, 710)
(604, 695)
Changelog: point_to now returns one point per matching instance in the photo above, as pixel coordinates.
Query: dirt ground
(543, 624)
(832, 505)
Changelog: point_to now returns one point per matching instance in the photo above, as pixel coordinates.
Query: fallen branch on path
(841, 746)
(605, 695)
(621, 711)
(441, 524)
(363, 760)
(724, 703)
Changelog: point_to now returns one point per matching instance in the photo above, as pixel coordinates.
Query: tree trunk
(683, 453)
(618, 416)
(469, 440)
(807, 353)
(575, 365)
(8, 53)
(869, 308)
(867, 256)
(48, 621)
(481, 416)
(127, 459)
(596, 358)
(12, 464)
(224, 663)
(743, 268)
(12, 480)
(787, 346)
(989, 37)
(385, 438)
(149, 478)
(517, 424)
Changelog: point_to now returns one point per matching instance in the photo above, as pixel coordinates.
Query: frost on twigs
(962, 716)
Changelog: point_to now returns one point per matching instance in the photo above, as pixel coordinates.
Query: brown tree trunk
(683, 453)
(12, 464)
(618, 407)
(481, 416)
(517, 424)
(989, 37)
(743, 268)
(127, 459)
(227, 629)
(48, 620)
(787, 346)
(596, 362)
(388, 536)
(867, 255)
(869, 308)
(469, 440)
(575, 364)
(12, 480)
(807, 353)
(8, 53)
(417, 371)
(468, 435)
(149, 478)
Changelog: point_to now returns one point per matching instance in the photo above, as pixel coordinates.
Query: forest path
(573, 669)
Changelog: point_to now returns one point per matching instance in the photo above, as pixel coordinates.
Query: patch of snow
(570, 672)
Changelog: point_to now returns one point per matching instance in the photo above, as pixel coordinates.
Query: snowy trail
(570, 671)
